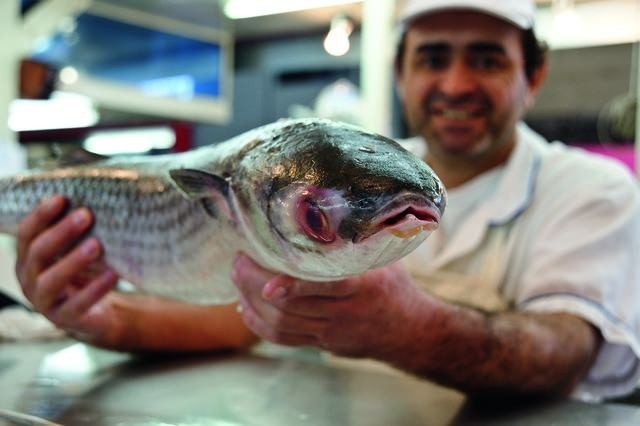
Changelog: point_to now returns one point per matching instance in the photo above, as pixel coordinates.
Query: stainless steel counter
(74, 384)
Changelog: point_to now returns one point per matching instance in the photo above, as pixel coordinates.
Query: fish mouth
(404, 217)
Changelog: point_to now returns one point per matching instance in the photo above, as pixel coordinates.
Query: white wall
(592, 23)
(9, 20)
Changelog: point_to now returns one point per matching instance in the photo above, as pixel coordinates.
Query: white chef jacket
(555, 229)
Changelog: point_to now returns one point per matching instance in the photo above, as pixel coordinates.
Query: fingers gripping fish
(311, 198)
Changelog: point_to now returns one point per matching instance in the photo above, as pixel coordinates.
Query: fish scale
(171, 224)
(129, 218)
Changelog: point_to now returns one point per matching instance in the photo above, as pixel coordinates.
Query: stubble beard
(495, 135)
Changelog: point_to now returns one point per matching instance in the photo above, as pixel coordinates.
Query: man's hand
(61, 272)
(382, 315)
(362, 316)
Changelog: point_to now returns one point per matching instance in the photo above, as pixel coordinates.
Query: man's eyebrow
(434, 47)
(475, 47)
(486, 47)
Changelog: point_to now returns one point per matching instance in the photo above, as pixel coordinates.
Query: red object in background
(37, 79)
(184, 136)
(623, 153)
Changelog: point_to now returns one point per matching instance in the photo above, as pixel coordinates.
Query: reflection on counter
(74, 384)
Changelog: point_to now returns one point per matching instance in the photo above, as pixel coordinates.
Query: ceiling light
(68, 75)
(565, 17)
(336, 42)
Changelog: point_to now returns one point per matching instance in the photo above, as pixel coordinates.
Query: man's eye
(486, 63)
(434, 62)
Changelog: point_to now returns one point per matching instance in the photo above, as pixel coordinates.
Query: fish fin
(74, 157)
(199, 184)
(209, 188)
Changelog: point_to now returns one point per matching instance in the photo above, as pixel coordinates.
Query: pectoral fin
(212, 190)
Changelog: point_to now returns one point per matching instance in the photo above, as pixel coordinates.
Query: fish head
(332, 200)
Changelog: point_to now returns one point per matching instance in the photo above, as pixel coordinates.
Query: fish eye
(314, 222)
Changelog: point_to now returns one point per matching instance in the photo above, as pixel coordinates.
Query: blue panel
(157, 62)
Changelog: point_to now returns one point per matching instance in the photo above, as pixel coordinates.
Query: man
(531, 285)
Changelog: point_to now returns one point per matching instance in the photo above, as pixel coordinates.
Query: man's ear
(536, 81)
(397, 74)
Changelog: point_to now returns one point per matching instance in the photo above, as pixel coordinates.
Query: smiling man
(461, 78)
(531, 285)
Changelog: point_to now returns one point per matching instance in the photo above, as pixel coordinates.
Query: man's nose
(457, 79)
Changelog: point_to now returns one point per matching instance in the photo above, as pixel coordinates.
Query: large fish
(311, 198)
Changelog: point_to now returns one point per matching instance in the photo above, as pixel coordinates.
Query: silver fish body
(312, 198)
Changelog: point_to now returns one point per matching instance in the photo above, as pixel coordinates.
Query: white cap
(520, 13)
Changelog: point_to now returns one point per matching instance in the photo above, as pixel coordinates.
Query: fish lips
(404, 217)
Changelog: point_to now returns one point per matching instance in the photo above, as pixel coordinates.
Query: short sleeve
(585, 260)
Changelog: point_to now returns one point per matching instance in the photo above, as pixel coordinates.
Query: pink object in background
(623, 153)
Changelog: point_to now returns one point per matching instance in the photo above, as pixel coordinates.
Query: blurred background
(152, 76)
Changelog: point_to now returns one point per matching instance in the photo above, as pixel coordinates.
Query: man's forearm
(148, 323)
(510, 352)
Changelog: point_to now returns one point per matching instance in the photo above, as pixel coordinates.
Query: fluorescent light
(63, 110)
(238, 9)
(130, 141)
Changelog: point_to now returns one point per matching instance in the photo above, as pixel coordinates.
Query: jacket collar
(512, 197)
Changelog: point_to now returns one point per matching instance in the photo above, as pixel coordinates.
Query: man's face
(463, 83)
